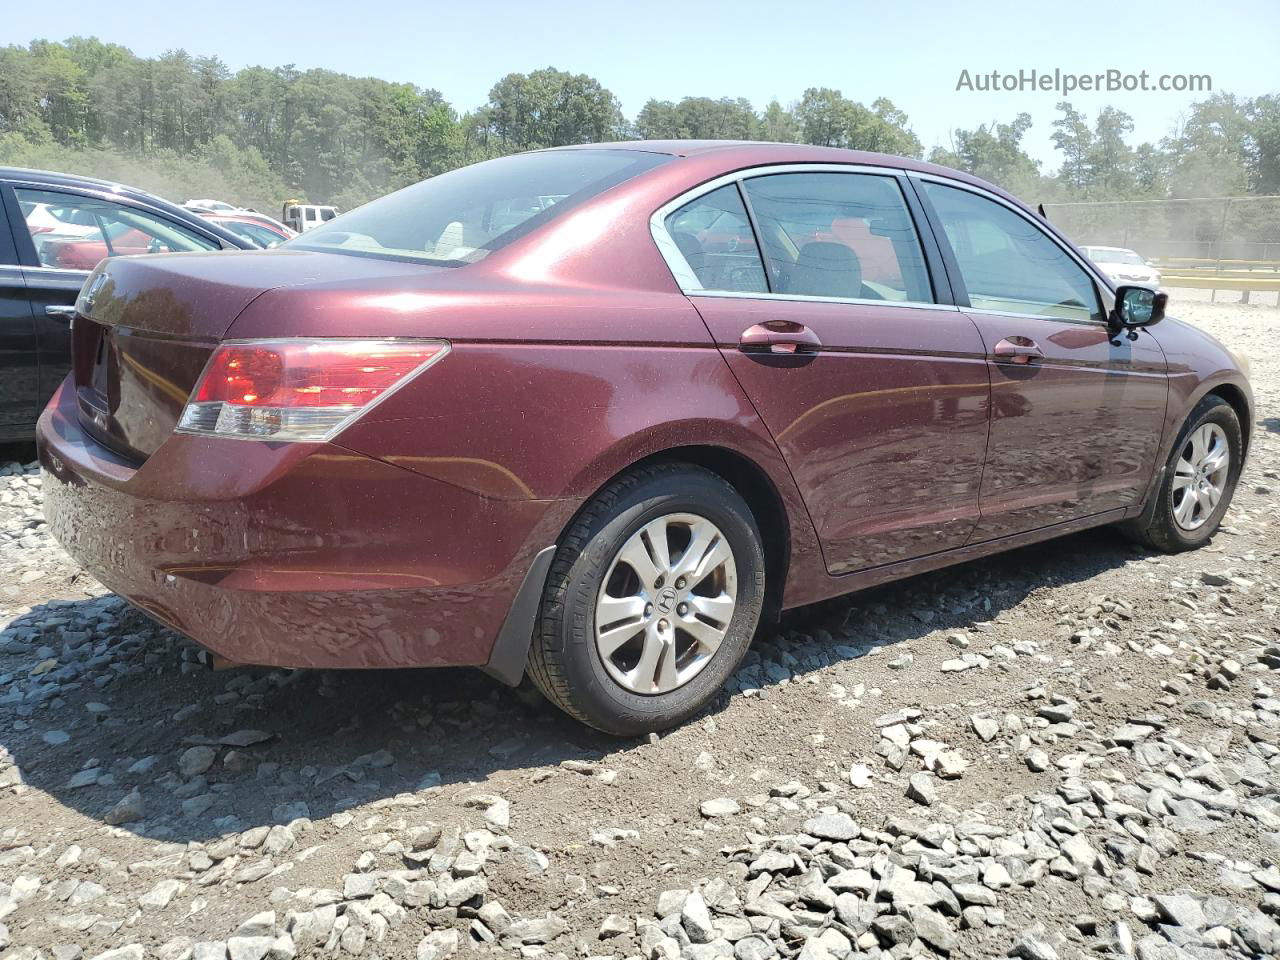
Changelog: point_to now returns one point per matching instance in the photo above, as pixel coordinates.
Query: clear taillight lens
(299, 389)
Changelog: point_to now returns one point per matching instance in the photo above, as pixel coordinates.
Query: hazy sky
(911, 52)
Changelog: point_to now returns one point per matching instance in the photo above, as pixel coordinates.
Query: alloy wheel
(666, 603)
(1200, 476)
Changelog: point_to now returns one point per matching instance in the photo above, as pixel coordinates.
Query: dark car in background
(54, 229)
(594, 412)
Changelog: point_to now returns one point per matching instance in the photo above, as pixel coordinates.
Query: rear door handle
(779, 336)
(60, 312)
(1018, 350)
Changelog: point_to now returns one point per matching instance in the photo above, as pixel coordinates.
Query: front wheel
(1198, 483)
(651, 602)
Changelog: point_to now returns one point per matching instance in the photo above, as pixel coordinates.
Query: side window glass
(74, 233)
(846, 235)
(714, 236)
(1007, 262)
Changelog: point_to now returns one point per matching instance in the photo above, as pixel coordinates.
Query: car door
(1076, 412)
(61, 234)
(873, 385)
(19, 365)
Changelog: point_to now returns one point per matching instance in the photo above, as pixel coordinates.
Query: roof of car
(746, 153)
(69, 180)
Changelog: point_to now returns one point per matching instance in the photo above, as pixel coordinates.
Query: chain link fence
(1214, 244)
(1218, 228)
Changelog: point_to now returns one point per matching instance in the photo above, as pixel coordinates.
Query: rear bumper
(297, 555)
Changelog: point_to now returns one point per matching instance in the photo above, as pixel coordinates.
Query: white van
(306, 216)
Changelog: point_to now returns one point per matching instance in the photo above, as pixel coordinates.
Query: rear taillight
(301, 390)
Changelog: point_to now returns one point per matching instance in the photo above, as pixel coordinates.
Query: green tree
(1209, 155)
(826, 118)
(778, 124)
(1072, 136)
(658, 120)
(552, 108)
(1264, 145)
(994, 152)
(1110, 158)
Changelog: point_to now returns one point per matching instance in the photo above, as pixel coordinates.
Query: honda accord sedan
(592, 414)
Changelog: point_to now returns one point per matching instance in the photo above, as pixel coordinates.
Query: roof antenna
(1040, 210)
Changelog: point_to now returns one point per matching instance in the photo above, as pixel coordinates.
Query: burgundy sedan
(593, 413)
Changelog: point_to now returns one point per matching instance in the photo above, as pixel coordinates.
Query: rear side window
(715, 239)
(842, 235)
(1007, 263)
(461, 216)
(75, 232)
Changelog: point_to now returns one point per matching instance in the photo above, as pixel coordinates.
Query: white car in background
(68, 221)
(1123, 266)
(218, 206)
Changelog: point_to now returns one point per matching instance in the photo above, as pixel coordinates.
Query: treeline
(187, 126)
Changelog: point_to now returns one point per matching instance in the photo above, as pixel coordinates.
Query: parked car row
(264, 231)
(593, 413)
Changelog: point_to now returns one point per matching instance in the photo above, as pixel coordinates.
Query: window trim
(9, 253)
(688, 281)
(1102, 289)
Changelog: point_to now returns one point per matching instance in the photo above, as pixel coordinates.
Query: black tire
(1157, 527)
(563, 660)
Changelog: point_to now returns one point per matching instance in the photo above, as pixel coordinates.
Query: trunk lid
(147, 325)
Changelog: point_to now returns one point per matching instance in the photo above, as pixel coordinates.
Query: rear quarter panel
(551, 403)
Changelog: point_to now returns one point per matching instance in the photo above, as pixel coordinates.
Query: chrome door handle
(779, 336)
(60, 312)
(1018, 350)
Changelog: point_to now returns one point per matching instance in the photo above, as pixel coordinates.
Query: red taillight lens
(242, 374)
(300, 389)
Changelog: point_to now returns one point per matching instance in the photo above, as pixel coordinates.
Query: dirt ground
(1095, 729)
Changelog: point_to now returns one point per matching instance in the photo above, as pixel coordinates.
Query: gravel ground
(1070, 750)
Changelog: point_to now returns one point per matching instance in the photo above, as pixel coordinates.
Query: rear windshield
(460, 216)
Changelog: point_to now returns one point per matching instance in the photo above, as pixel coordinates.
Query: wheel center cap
(666, 601)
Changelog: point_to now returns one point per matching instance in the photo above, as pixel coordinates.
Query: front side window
(1007, 263)
(461, 216)
(714, 237)
(72, 232)
(843, 235)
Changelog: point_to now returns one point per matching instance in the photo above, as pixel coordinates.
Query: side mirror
(1137, 307)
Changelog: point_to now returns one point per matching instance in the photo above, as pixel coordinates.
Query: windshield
(460, 216)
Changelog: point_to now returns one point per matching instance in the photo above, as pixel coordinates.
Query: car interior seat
(825, 269)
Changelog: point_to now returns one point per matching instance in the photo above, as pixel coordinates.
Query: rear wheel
(1199, 480)
(651, 602)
